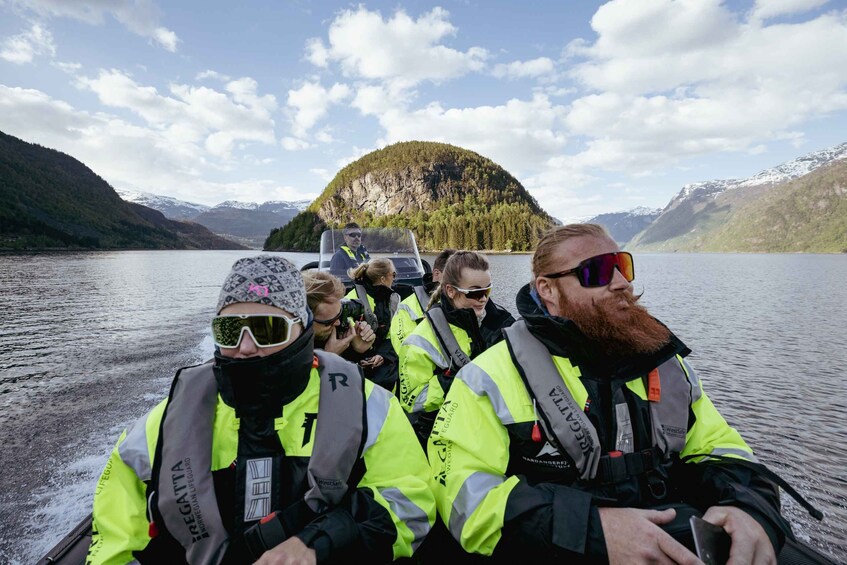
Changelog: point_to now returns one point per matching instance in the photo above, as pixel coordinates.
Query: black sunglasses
(600, 269)
(330, 321)
(355, 234)
(474, 293)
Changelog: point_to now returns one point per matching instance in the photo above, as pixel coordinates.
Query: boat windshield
(397, 244)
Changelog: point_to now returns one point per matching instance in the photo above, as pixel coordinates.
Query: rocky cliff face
(386, 193)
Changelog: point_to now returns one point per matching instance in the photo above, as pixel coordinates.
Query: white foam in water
(204, 350)
(64, 502)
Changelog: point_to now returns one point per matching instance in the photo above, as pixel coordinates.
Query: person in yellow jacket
(411, 309)
(372, 289)
(586, 436)
(460, 323)
(272, 452)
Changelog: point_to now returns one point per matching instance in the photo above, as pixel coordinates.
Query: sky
(593, 107)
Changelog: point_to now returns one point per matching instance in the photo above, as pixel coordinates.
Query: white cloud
(322, 174)
(192, 114)
(294, 144)
(678, 79)
(138, 16)
(25, 46)
(129, 156)
(213, 75)
(519, 135)
(525, 69)
(398, 49)
(310, 103)
(67, 67)
(765, 9)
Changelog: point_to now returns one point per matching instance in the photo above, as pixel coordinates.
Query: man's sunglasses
(266, 330)
(330, 321)
(475, 293)
(355, 234)
(600, 269)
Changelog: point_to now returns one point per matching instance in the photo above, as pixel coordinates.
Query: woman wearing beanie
(461, 322)
(372, 288)
(257, 454)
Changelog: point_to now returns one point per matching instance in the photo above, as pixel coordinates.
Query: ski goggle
(266, 330)
(600, 269)
(475, 293)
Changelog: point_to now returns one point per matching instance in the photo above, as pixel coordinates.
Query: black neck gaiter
(258, 388)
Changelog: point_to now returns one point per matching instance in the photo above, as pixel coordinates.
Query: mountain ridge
(53, 201)
(694, 219)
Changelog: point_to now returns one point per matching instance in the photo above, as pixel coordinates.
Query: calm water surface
(90, 341)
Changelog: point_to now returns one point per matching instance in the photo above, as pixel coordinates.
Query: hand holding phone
(711, 542)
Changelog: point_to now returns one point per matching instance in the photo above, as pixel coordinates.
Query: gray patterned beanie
(266, 279)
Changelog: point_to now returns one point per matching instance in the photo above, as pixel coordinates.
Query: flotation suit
(409, 313)
(669, 393)
(181, 490)
(360, 255)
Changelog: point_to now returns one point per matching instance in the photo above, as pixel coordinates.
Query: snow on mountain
(274, 206)
(171, 207)
(787, 171)
(237, 205)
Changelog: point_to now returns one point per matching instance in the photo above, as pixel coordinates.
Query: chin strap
(761, 469)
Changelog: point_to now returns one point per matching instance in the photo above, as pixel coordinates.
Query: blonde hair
(374, 269)
(320, 286)
(543, 258)
(452, 272)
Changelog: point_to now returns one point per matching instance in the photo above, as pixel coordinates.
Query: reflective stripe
(744, 454)
(696, 393)
(431, 350)
(377, 410)
(134, 450)
(408, 512)
(420, 401)
(408, 309)
(471, 495)
(445, 338)
(482, 384)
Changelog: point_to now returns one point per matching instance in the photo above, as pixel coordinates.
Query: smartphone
(711, 541)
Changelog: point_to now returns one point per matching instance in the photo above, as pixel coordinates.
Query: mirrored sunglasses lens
(266, 330)
(600, 270)
(226, 331)
(626, 266)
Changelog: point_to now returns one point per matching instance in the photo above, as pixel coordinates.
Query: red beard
(618, 329)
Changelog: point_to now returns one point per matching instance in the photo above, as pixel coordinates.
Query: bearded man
(585, 436)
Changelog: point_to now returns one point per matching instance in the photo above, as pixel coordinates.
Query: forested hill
(50, 200)
(448, 196)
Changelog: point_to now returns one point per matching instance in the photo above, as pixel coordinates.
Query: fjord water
(90, 341)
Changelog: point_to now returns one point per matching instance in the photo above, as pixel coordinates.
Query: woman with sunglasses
(460, 314)
(272, 452)
(372, 288)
